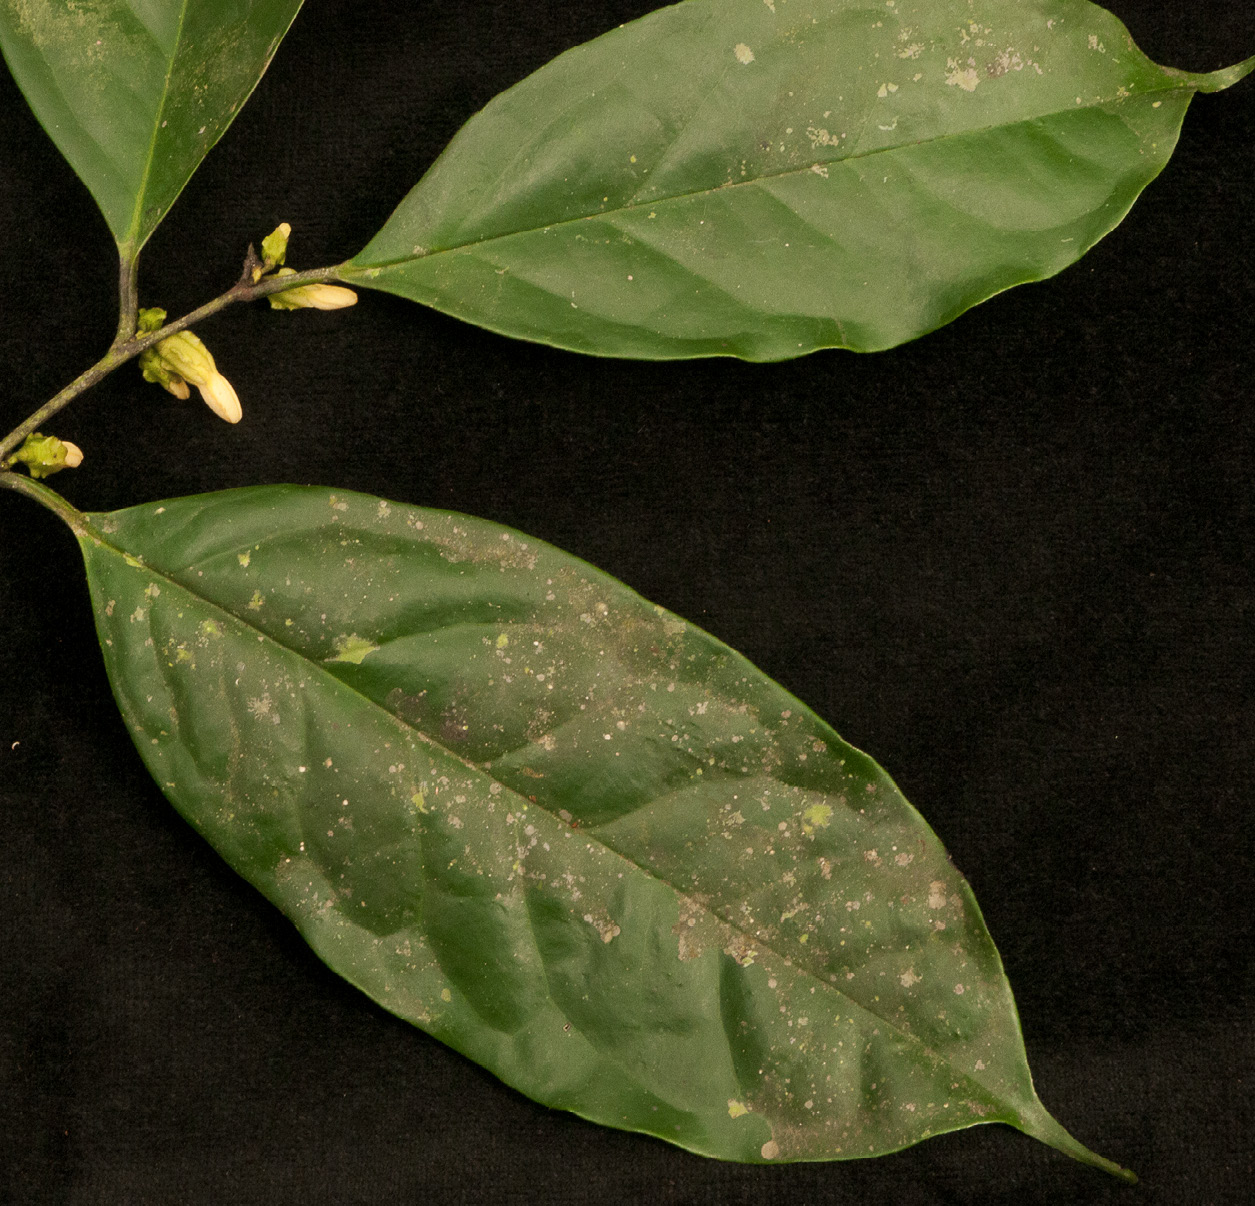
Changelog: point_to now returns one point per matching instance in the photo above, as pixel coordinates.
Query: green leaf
(761, 178)
(557, 827)
(135, 93)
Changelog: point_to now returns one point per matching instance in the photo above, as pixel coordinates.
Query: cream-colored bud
(221, 398)
(312, 297)
(73, 455)
(186, 360)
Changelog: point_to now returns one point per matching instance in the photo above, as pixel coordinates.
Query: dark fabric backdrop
(1013, 561)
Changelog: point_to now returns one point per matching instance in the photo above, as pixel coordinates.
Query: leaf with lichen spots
(731, 178)
(560, 829)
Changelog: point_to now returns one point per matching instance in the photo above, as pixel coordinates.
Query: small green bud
(311, 297)
(151, 319)
(274, 249)
(45, 455)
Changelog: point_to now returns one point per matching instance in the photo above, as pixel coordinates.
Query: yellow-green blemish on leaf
(502, 641)
(352, 648)
(736, 1109)
(446, 995)
(418, 801)
(244, 558)
(817, 816)
(254, 604)
(210, 629)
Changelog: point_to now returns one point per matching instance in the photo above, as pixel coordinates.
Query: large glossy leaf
(559, 828)
(136, 92)
(760, 179)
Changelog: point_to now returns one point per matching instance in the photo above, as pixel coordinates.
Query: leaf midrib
(352, 267)
(132, 234)
(90, 531)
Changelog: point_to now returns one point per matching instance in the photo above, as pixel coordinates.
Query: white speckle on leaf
(909, 977)
(964, 77)
(743, 53)
(606, 928)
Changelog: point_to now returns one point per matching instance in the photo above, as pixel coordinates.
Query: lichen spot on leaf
(352, 648)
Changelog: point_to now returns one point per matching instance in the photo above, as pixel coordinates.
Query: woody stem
(127, 345)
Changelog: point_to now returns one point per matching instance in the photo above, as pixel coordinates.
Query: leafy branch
(551, 809)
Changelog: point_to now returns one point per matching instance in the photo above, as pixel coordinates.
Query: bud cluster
(182, 360)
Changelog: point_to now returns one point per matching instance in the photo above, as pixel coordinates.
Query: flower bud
(181, 359)
(221, 398)
(151, 319)
(45, 455)
(274, 247)
(311, 297)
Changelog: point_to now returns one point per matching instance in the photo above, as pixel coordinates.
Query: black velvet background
(1012, 560)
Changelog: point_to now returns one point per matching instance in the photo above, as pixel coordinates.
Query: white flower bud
(312, 297)
(73, 455)
(186, 360)
(221, 398)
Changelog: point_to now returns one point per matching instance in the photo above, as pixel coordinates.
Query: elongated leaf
(136, 92)
(761, 179)
(557, 827)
